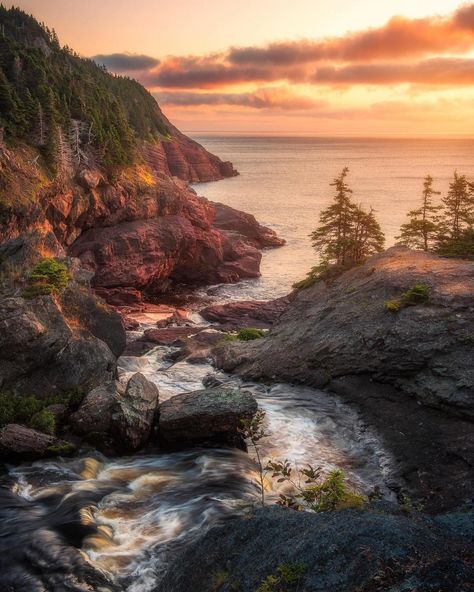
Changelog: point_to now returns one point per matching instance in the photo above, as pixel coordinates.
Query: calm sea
(284, 182)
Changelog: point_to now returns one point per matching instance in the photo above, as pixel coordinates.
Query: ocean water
(284, 182)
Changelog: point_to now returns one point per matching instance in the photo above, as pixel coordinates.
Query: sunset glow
(284, 67)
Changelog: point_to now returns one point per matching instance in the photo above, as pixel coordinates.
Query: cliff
(90, 166)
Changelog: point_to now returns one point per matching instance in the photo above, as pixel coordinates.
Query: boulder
(18, 442)
(376, 550)
(134, 413)
(89, 178)
(246, 313)
(208, 416)
(94, 415)
(118, 415)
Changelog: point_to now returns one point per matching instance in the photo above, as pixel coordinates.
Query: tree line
(69, 108)
(348, 234)
(445, 228)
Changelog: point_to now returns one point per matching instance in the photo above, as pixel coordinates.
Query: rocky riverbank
(410, 371)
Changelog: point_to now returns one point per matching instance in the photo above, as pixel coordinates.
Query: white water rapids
(151, 504)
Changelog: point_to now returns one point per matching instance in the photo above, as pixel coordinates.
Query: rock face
(208, 416)
(331, 331)
(346, 551)
(45, 348)
(246, 313)
(232, 220)
(118, 415)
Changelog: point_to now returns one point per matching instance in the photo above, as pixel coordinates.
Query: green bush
(419, 294)
(47, 277)
(43, 421)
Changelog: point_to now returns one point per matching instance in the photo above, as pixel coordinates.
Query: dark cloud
(126, 62)
(266, 98)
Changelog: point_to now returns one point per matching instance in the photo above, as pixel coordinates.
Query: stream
(145, 507)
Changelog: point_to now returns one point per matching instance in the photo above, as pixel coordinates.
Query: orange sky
(345, 67)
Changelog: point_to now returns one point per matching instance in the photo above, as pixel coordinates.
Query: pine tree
(456, 237)
(332, 239)
(347, 233)
(423, 227)
(458, 214)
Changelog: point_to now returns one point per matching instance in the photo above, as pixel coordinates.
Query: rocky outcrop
(232, 220)
(331, 331)
(376, 550)
(410, 372)
(45, 348)
(209, 416)
(246, 313)
(119, 415)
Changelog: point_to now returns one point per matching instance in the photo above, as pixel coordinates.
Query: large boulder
(119, 415)
(211, 415)
(377, 550)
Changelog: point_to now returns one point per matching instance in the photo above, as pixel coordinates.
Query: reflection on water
(147, 506)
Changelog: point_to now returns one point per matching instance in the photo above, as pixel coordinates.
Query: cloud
(399, 38)
(126, 62)
(437, 71)
(265, 98)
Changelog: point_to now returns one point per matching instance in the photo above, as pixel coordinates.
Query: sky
(339, 67)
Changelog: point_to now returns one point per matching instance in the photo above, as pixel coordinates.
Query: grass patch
(66, 449)
(31, 410)
(47, 277)
(43, 421)
(287, 578)
(247, 334)
(418, 294)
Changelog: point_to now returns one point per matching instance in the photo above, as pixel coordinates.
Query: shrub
(43, 421)
(47, 277)
(312, 491)
(287, 578)
(419, 294)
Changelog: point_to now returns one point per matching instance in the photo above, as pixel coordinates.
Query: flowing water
(143, 508)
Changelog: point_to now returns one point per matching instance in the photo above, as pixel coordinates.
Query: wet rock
(21, 443)
(209, 416)
(347, 551)
(230, 219)
(95, 412)
(246, 313)
(121, 296)
(138, 348)
(134, 413)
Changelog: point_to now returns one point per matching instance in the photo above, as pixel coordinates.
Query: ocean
(284, 182)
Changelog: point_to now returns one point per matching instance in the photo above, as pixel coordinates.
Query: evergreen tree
(456, 238)
(347, 234)
(423, 227)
